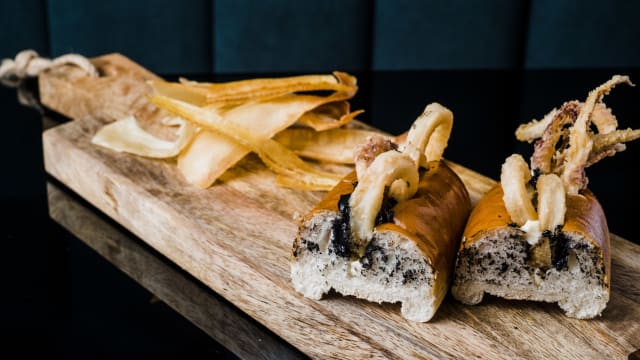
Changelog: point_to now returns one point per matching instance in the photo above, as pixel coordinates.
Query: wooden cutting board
(236, 238)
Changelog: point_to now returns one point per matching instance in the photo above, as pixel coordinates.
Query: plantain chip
(275, 155)
(329, 116)
(237, 92)
(335, 146)
(191, 94)
(126, 135)
(228, 120)
(265, 118)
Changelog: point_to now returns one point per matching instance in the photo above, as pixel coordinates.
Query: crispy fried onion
(126, 135)
(393, 172)
(275, 155)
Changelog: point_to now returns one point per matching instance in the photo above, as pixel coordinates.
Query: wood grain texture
(236, 238)
(220, 320)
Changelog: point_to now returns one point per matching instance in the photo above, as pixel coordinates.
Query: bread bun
(409, 258)
(496, 258)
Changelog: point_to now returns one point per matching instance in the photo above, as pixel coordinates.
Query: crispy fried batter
(380, 168)
(533, 130)
(388, 168)
(580, 138)
(551, 201)
(556, 131)
(365, 153)
(517, 200)
(602, 141)
(429, 134)
(565, 145)
(603, 119)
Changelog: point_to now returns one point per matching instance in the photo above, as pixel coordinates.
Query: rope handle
(28, 63)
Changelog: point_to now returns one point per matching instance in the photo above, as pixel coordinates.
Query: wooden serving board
(236, 238)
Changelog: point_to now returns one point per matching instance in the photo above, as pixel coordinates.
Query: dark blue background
(240, 36)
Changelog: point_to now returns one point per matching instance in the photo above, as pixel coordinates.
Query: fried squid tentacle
(556, 131)
(603, 119)
(534, 129)
(581, 138)
(565, 144)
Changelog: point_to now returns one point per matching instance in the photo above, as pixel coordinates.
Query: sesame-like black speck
(367, 259)
(504, 267)
(312, 246)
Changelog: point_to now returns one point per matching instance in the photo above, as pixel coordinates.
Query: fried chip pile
(279, 119)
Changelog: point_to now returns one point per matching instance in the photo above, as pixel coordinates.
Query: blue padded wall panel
(587, 34)
(166, 36)
(454, 34)
(23, 26)
(291, 35)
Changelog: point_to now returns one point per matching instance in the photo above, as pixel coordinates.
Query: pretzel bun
(495, 257)
(409, 258)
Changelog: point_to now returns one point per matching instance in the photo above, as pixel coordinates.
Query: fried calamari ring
(517, 200)
(429, 134)
(396, 171)
(551, 201)
(366, 199)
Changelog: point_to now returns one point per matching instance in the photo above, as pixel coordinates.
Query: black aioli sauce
(342, 236)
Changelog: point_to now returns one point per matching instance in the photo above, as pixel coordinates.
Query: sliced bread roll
(497, 257)
(541, 234)
(409, 258)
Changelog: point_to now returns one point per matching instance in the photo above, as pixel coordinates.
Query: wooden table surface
(236, 238)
